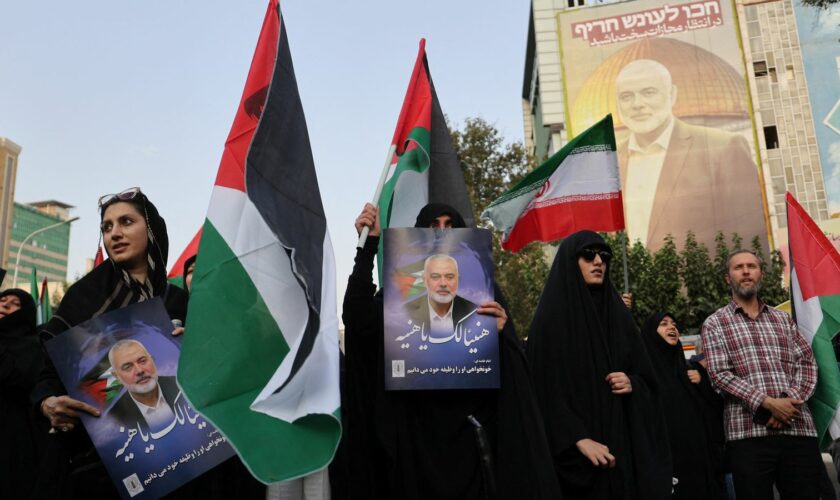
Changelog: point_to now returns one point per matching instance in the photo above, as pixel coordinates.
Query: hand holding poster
(149, 438)
(434, 282)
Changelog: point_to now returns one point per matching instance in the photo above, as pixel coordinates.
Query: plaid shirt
(751, 359)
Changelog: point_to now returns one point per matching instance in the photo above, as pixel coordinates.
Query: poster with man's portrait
(673, 77)
(148, 436)
(434, 282)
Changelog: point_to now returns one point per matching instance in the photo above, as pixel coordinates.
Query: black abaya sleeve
(364, 469)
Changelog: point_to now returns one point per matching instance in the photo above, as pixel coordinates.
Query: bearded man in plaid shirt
(766, 370)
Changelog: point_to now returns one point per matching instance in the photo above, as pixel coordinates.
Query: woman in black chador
(423, 444)
(687, 401)
(20, 361)
(594, 382)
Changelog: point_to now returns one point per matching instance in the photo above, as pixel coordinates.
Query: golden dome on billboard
(707, 86)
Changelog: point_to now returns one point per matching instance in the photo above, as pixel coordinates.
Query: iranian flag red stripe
(260, 350)
(191, 249)
(577, 188)
(561, 217)
(815, 293)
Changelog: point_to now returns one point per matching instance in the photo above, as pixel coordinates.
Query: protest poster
(148, 436)
(434, 280)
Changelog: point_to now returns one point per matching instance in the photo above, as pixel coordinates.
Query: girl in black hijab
(20, 361)
(137, 244)
(686, 409)
(594, 382)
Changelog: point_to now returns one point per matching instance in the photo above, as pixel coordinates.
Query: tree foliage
(688, 283)
(491, 166)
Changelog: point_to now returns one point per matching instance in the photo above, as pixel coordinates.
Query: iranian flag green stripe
(260, 351)
(815, 291)
(577, 188)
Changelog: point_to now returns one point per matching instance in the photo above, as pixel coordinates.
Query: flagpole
(365, 230)
(624, 259)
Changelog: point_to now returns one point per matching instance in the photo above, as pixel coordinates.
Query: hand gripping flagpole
(365, 230)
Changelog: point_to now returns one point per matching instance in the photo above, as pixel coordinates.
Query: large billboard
(673, 77)
(821, 57)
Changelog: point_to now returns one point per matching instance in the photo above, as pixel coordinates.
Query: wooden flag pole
(365, 230)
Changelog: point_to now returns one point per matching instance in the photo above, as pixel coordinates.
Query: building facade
(763, 97)
(9, 153)
(46, 252)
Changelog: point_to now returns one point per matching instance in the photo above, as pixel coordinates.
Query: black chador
(580, 334)
(420, 444)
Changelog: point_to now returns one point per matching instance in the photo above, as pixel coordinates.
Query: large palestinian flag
(577, 188)
(424, 166)
(260, 351)
(815, 291)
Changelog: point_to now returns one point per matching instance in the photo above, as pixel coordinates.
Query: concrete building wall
(784, 119)
(9, 153)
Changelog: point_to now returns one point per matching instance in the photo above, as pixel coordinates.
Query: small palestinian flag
(100, 383)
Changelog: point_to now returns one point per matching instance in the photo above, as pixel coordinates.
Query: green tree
(491, 166)
(700, 281)
(773, 290)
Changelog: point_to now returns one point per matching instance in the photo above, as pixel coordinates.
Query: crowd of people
(593, 407)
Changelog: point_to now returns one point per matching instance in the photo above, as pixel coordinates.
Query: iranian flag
(577, 188)
(815, 292)
(260, 353)
(424, 167)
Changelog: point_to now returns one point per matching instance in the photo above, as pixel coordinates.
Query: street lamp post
(30, 235)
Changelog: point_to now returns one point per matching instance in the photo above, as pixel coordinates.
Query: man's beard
(745, 293)
(145, 387)
(442, 298)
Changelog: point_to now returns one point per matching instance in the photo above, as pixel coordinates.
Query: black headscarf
(109, 286)
(23, 317)
(579, 335)
(21, 360)
(668, 360)
(187, 264)
(18, 340)
(432, 211)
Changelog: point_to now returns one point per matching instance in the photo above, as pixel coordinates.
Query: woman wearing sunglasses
(137, 244)
(594, 382)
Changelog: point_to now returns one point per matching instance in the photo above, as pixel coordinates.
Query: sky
(105, 95)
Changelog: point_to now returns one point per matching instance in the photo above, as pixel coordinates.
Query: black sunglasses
(589, 254)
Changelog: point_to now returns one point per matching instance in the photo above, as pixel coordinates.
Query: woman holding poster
(137, 244)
